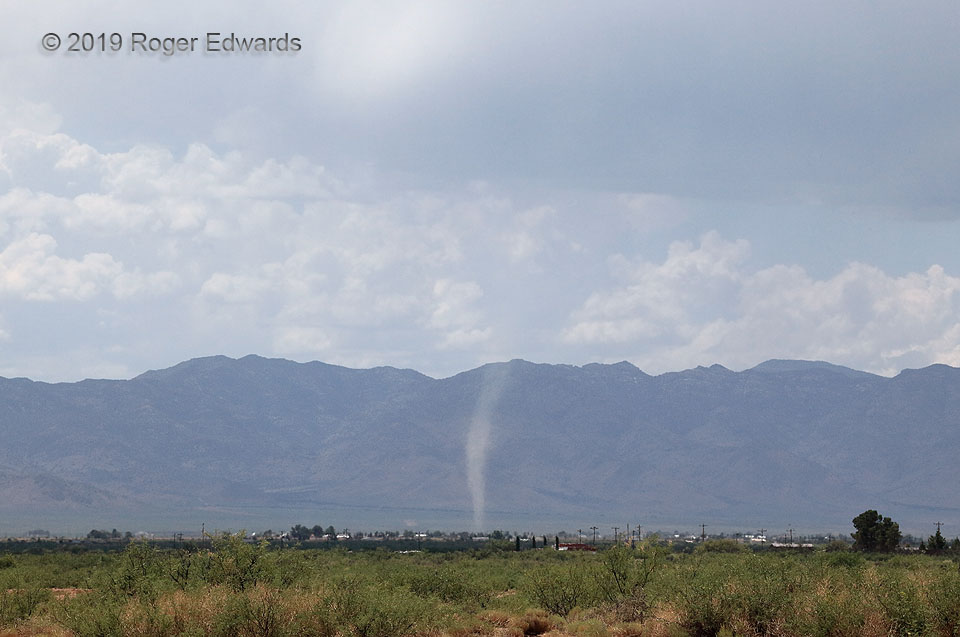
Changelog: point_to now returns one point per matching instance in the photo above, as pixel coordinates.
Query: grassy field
(232, 587)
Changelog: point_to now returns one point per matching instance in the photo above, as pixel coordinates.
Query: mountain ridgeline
(253, 442)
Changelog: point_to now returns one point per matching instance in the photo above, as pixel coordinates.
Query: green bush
(237, 563)
(722, 546)
(761, 595)
(449, 583)
(258, 613)
(376, 609)
(138, 572)
(16, 605)
(559, 588)
(847, 559)
(902, 605)
(92, 615)
(944, 602)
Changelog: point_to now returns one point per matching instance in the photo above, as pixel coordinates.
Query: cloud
(455, 314)
(293, 340)
(30, 270)
(236, 288)
(375, 50)
(704, 305)
(235, 251)
(526, 239)
(658, 299)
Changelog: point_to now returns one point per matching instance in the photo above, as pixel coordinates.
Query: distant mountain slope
(256, 440)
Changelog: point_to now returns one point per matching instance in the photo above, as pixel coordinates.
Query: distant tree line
(98, 534)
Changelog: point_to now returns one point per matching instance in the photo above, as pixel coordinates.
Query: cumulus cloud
(456, 315)
(704, 305)
(658, 299)
(151, 251)
(30, 269)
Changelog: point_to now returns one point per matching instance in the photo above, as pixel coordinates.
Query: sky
(438, 185)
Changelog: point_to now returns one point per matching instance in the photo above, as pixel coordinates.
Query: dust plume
(492, 381)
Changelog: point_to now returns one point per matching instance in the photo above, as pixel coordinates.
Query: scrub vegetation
(231, 586)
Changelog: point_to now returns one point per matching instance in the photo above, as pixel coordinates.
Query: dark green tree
(317, 531)
(875, 532)
(300, 533)
(936, 543)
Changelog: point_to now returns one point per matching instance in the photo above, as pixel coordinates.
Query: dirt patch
(58, 593)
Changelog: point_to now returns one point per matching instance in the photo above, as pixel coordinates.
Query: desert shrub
(943, 594)
(623, 572)
(376, 609)
(759, 596)
(496, 618)
(185, 567)
(700, 597)
(16, 605)
(285, 568)
(831, 606)
(721, 546)
(176, 614)
(843, 559)
(559, 588)
(586, 628)
(237, 563)
(96, 614)
(834, 546)
(449, 583)
(701, 610)
(138, 571)
(7, 561)
(902, 604)
(534, 623)
(258, 612)
(148, 619)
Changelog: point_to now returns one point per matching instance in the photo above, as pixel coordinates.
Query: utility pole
(640, 532)
(703, 532)
(939, 524)
(790, 530)
(616, 534)
(579, 536)
(594, 535)
(763, 535)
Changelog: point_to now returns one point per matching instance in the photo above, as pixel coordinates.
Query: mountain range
(256, 443)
